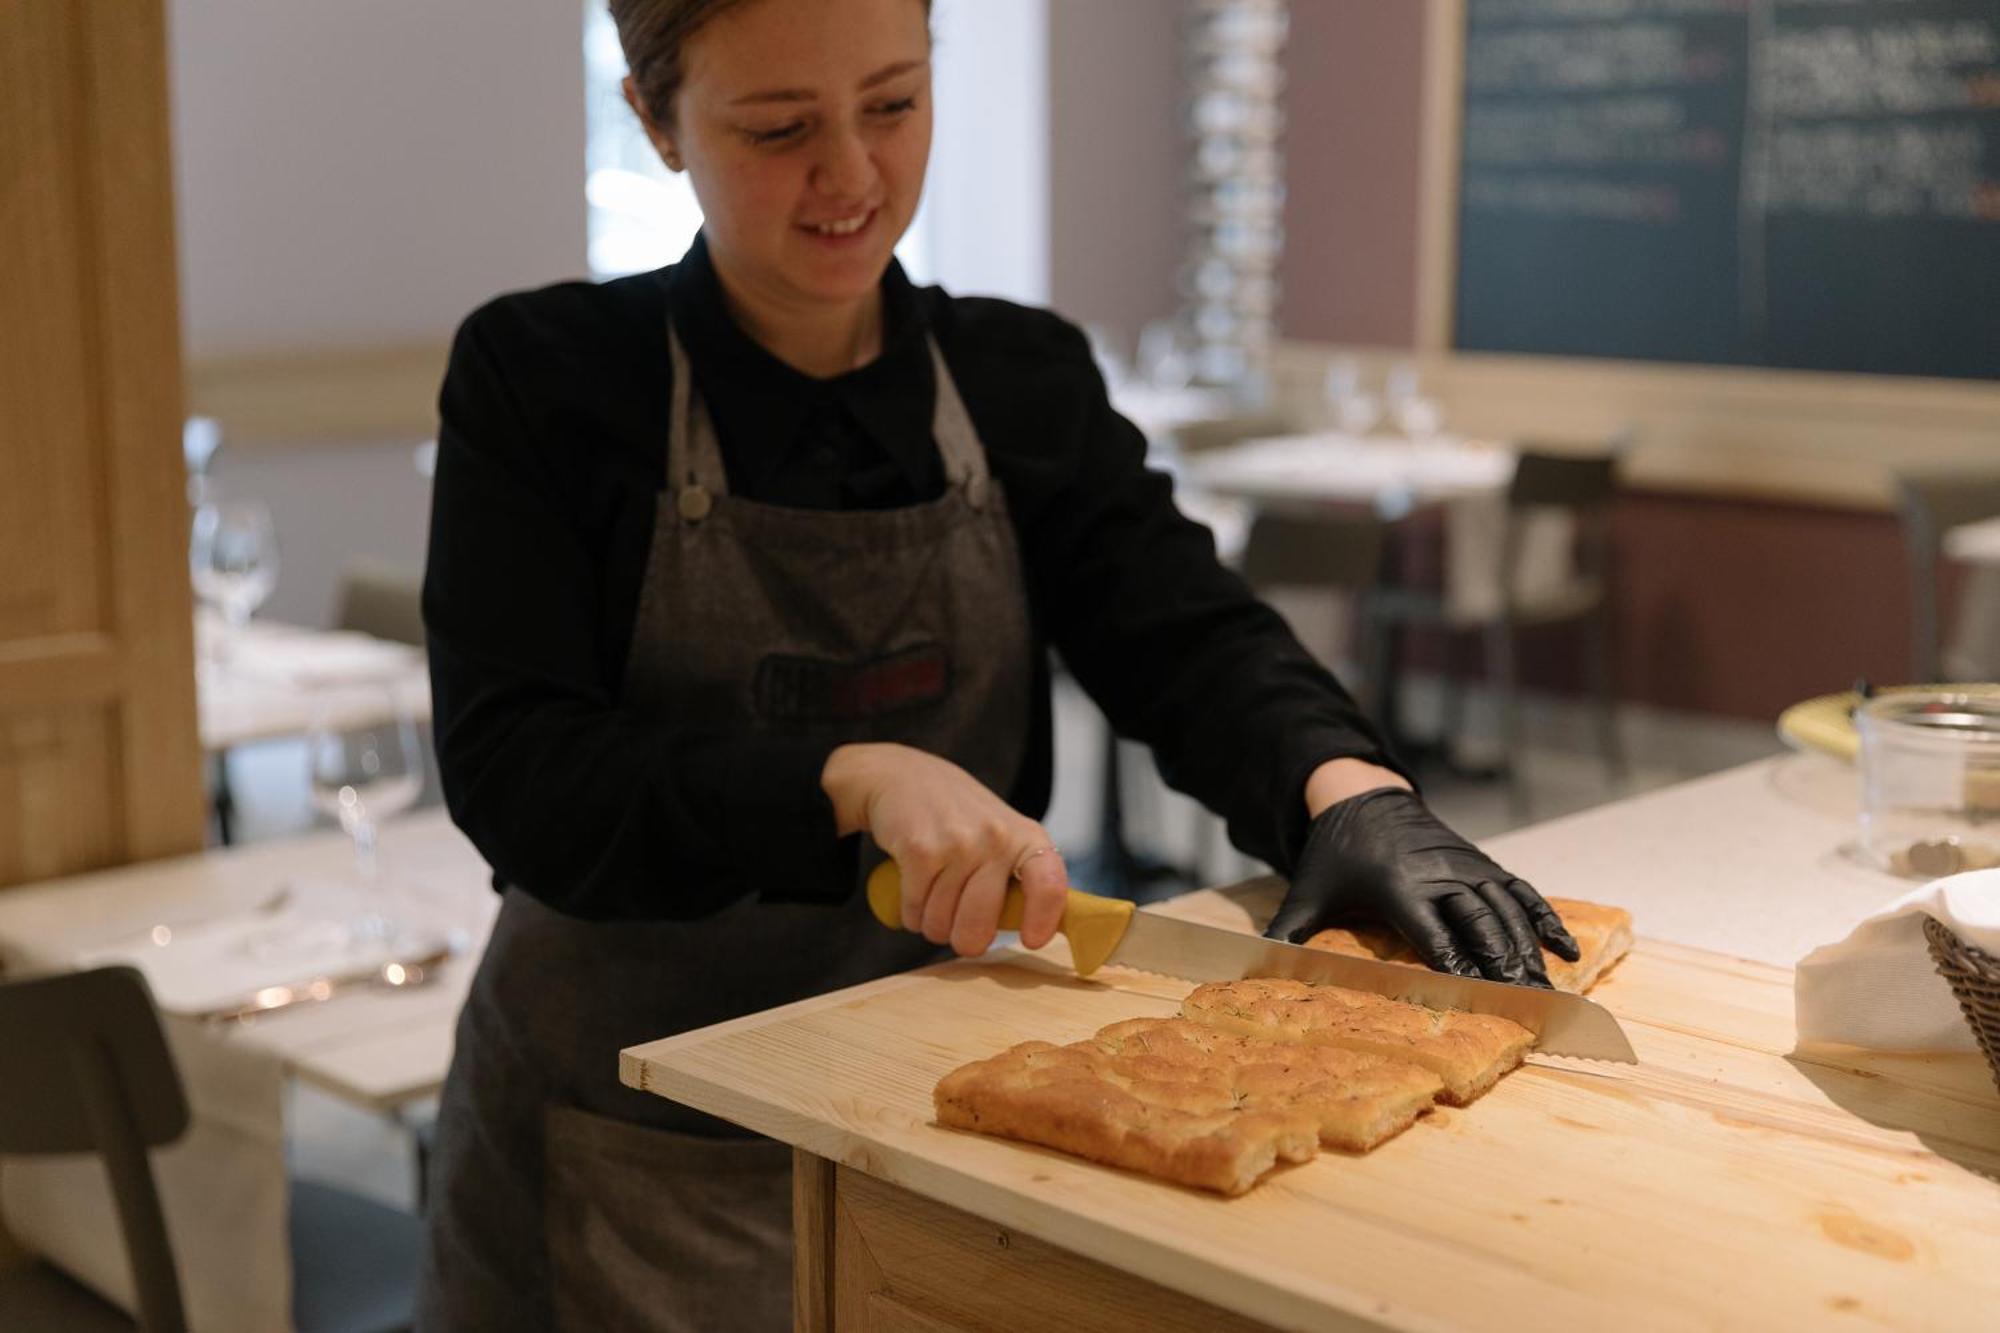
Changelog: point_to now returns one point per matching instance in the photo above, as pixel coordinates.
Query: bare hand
(957, 844)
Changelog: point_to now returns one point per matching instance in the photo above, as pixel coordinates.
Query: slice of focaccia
(1603, 936)
(1185, 1102)
(1469, 1052)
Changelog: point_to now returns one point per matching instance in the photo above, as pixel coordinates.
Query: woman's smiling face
(805, 126)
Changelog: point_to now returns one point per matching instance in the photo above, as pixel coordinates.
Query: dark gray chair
(86, 1069)
(1582, 485)
(1336, 551)
(1933, 501)
(383, 600)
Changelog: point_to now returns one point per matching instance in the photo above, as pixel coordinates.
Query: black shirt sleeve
(532, 572)
(1172, 645)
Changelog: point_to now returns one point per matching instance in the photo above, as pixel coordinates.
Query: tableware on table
(1930, 781)
(365, 765)
(233, 557)
(1355, 411)
(200, 438)
(1826, 723)
(395, 974)
(1165, 359)
(1417, 417)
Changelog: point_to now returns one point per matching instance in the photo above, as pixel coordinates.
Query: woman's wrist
(849, 779)
(1337, 779)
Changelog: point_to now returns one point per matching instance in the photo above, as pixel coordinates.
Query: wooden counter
(1718, 1183)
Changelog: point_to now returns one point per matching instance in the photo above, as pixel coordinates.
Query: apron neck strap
(695, 472)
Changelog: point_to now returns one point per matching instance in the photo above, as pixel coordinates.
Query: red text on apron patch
(814, 689)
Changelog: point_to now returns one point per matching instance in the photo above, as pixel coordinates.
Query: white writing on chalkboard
(1778, 182)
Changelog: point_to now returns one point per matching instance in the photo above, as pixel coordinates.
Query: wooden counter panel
(906, 1263)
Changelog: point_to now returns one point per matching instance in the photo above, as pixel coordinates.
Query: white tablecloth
(223, 1186)
(1393, 476)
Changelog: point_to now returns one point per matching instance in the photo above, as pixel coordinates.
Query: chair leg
(1506, 688)
(1451, 720)
(1378, 688)
(1601, 668)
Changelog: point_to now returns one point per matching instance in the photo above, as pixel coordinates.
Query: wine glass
(365, 766)
(1355, 410)
(1164, 361)
(233, 557)
(1417, 417)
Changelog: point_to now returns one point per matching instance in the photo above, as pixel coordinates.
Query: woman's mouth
(836, 230)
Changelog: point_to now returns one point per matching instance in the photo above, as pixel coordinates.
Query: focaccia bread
(1184, 1101)
(1603, 936)
(1469, 1052)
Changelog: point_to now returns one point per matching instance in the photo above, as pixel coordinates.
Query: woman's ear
(663, 142)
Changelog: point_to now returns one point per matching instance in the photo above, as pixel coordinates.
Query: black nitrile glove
(1383, 857)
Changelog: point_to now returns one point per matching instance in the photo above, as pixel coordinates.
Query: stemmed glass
(233, 557)
(233, 560)
(366, 766)
(1417, 417)
(1355, 411)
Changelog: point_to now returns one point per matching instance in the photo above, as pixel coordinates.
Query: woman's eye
(897, 108)
(778, 134)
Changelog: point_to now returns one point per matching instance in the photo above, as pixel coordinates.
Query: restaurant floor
(1560, 771)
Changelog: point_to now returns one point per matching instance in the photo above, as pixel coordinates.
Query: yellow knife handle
(1093, 925)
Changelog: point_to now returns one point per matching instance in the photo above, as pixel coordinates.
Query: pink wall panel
(1352, 102)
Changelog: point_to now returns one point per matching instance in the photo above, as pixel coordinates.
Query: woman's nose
(844, 169)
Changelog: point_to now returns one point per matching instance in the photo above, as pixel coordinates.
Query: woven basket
(1974, 975)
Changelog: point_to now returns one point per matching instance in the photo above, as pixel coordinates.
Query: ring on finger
(1027, 856)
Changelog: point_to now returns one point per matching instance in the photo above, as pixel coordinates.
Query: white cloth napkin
(1879, 987)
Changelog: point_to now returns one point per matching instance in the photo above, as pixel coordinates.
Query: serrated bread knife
(1110, 930)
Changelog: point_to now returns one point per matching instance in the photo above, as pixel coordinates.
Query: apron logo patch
(813, 689)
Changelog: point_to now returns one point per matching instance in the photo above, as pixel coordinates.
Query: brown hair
(654, 33)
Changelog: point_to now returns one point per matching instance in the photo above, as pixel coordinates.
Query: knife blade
(1110, 930)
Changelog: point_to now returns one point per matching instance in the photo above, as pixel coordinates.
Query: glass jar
(1930, 782)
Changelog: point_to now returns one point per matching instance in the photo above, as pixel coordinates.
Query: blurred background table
(224, 1186)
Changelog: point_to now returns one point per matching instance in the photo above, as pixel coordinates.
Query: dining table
(211, 931)
(268, 680)
(1733, 1178)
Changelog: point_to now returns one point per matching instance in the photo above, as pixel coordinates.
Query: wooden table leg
(812, 1243)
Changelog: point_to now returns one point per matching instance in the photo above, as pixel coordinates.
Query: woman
(736, 563)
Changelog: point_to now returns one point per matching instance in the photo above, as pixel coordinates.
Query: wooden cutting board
(1718, 1183)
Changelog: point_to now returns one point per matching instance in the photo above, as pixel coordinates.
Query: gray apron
(562, 1199)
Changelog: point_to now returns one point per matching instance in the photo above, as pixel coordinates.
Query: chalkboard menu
(1795, 183)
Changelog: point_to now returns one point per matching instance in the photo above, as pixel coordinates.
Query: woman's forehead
(791, 50)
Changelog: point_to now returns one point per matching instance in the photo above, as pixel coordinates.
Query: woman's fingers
(1524, 966)
(941, 907)
(1424, 927)
(1480, 932)
(1548, 926)
(978, 918)
(1045, 888)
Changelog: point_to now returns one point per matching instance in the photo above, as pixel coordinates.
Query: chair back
(383, 600)
(1932, 502)
(1562, 481)
(1581, 485)
(86, 1068)
(1335, 550)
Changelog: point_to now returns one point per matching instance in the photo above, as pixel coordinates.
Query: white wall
(352, 172)
(985, 217)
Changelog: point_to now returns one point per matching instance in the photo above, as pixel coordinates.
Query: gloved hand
(1383, 857)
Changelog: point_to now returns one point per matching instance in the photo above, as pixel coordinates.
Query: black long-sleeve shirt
(552, 451)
